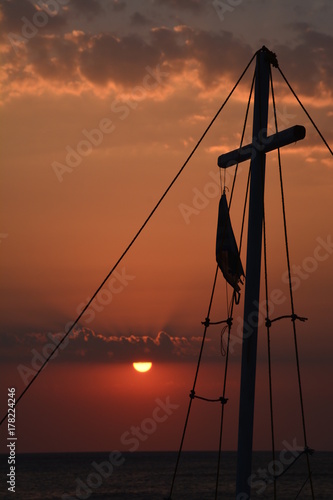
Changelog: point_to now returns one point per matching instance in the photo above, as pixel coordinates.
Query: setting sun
(142, 366)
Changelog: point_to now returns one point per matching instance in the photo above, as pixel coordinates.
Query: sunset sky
(101, 103)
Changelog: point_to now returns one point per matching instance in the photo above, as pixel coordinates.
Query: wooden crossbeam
(264, 145)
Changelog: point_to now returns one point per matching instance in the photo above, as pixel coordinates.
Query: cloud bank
(40, 49)
(85, 345)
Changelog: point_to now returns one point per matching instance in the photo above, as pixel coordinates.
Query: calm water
(148, 476)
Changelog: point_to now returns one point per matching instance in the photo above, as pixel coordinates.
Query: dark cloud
(12, 13)
(194, 6)
(118, 5)
(119, 60)
(308, 62)
(21, 16)
(138, 19)
(88, 346)
(171, 43)
(54, 59)
(106, 58)
(88, 8)
(216, 56)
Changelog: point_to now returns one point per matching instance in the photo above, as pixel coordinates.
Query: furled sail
(227, 255)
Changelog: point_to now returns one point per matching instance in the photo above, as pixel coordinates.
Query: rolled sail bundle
(227, 255)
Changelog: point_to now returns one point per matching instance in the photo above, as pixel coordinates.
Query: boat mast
(252, 284)
(261, 144)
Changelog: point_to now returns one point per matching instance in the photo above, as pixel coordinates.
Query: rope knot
(206, 323)
(229, 322)
(294, 317)
(223, 400)
(268, 323)
(192, 394)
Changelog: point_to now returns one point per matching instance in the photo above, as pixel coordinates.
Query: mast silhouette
(261, 144)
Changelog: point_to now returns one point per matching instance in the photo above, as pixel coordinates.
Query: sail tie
(207, 322)
(221, 399)
(294, 317)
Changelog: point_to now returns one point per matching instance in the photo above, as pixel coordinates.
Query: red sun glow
(142, 366)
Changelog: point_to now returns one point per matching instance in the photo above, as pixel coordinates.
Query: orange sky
(100, 107)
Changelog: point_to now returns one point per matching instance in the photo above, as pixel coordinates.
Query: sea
(148, 476)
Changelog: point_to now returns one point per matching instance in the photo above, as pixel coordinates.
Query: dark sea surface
(148, 475)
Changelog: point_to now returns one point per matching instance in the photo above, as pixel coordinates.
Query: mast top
(272, 57)
(261, 143)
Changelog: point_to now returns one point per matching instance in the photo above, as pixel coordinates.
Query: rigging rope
(229, 324)
(305, 111)
(223, 396)
(278, 476)
(233, 300)
(306, 450)
(301, 489)
(293, 315)
(207, 323)
(222, 348)
(135, 237)
(194, 384)
(268, 324)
